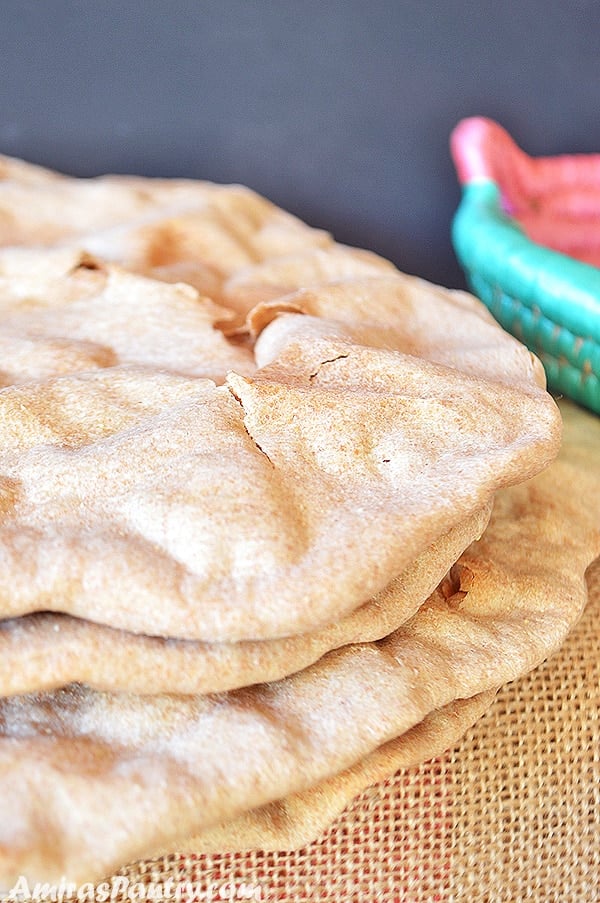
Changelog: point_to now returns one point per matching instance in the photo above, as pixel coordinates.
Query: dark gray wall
(339, 111)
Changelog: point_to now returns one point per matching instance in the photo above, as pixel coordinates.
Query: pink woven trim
(556, 200)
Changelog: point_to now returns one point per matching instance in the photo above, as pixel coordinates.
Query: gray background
(339, 111)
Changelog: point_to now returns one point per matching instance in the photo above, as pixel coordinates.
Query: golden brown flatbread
(294, 821)
(64, 311)
(332, 457)
(401, 312)
(172, 229)
(275, 277)
(265, 507)
(92, 779)
(45, 651)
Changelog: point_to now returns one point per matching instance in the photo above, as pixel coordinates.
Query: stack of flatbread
(246, 555)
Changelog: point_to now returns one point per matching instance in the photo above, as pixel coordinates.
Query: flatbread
(172, 229)
(47, 651)
(297, 820)
(401, 312)
(267, 280)
(269, 506)
(84, 775)
(64, 311)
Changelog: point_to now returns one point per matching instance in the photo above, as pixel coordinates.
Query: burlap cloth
(511, 814)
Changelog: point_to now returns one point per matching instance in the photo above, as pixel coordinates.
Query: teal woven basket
(527, 234)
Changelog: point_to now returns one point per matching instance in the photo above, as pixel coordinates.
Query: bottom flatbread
(297, 820)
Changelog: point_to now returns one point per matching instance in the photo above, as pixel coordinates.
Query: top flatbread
(171, 229)
(225, 240)
(45, 208)
(231, 244)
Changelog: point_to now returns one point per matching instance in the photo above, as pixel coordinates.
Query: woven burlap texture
(511, 814)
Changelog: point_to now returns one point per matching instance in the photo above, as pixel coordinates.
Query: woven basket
(527, 234)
